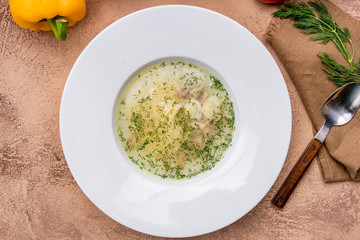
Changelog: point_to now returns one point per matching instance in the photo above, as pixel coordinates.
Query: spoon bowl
(342, 105)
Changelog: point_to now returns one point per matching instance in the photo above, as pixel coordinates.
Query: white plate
(163, 207)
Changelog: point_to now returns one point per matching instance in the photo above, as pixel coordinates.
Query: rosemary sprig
(314, 19)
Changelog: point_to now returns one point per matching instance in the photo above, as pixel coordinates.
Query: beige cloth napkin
(339, 159)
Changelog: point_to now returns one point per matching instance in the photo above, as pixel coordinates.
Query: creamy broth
(175, 120)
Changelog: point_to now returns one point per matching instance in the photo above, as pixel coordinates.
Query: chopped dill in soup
(175, 120)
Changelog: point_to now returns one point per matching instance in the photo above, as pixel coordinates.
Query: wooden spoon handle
(296, 173)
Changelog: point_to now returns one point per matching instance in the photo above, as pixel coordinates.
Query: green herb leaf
(338, 73)
(314, 19)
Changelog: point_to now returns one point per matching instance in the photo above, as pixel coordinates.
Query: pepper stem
(59, 27)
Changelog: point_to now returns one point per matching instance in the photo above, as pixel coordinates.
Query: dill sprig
(314, 19)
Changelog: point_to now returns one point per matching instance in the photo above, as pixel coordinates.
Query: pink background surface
(39, 198)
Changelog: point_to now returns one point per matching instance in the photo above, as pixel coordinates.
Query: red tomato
(272, 1)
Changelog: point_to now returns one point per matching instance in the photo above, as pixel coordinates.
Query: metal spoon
(338, 109)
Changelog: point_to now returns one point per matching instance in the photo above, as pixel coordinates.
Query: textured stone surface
(39, 198)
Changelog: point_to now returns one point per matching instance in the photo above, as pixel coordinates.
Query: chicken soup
(175, 120)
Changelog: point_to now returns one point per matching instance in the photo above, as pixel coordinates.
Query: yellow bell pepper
(46, 15)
